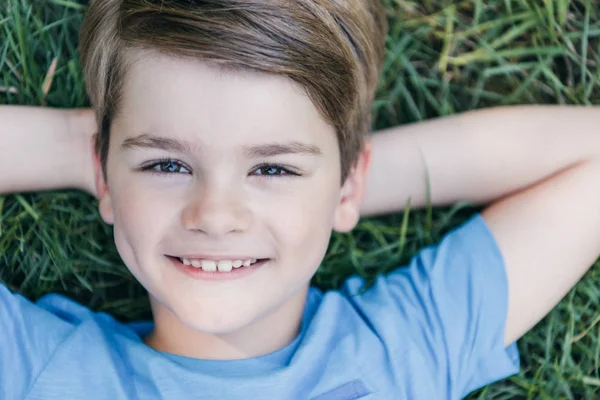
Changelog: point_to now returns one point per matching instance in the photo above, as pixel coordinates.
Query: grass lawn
(443, 58)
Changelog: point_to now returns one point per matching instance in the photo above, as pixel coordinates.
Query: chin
(217, 326)
(214, 321)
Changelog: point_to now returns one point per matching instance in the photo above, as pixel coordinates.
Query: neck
(270, 333)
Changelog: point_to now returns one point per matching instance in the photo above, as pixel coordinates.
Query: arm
(45, 149)
(539, 165)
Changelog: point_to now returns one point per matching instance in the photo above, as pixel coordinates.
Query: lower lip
(199, 273)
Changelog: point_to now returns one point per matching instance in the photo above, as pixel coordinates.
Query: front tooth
(196, 263)
(186, 261)
(237, 263)
(225, 266)
(209, 265)
(247, 263)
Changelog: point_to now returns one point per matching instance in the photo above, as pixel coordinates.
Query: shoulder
(32, 333)
(444, 312)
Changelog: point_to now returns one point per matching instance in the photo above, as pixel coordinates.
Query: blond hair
(333, 49)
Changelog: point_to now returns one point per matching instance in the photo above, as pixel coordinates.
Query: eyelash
(151, 165)
(287, 173)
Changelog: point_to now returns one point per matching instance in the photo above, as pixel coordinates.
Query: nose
(217, 211)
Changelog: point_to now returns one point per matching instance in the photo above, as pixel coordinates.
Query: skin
(538, 166)
(220, 203)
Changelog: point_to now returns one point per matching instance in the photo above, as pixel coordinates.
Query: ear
(102, 192)
(347, 213)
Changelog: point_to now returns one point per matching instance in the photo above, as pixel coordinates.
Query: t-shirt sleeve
(451, 302)
(29, 335)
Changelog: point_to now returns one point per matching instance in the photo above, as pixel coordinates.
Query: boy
(230, 144)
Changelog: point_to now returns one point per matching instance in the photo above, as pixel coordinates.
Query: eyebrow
(149, 141)
(276, 149)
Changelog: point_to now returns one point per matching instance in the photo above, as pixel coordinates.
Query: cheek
(304, 220)
(140, 218)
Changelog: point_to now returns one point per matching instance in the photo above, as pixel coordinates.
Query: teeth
(209, 265)
(221, 266)
(225, 266)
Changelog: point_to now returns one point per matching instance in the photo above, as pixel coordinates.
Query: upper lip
(218, 257)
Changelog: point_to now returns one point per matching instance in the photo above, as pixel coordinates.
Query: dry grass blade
(49, 77)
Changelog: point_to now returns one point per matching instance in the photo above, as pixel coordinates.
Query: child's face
(221, 204)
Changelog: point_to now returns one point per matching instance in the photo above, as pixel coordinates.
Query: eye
(273, 170)
(166, 166)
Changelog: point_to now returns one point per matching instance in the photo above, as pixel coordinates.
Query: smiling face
(211, 164)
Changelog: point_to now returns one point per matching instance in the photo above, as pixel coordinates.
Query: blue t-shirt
(433, 330)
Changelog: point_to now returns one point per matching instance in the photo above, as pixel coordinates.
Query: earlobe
(348, 210)
(102, 192)
(106, 210)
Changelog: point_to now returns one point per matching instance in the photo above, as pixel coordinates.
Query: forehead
(178, 95)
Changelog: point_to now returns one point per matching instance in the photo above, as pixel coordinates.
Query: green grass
(443, 58)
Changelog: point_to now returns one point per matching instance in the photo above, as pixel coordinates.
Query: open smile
(217, 270)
